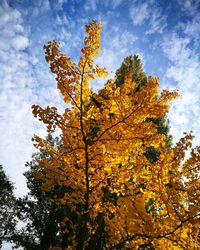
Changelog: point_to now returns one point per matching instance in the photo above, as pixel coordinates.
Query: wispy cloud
(157, 22)
(90, 5)
(148, 13)
(14, 96)
(140, 13)
(11, 29)
(189, 7)
(58, 4)
(116, 3)
(25, 79)
(184, 70)
(191, 29)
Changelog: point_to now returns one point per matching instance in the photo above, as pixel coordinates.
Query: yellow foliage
(102, 161)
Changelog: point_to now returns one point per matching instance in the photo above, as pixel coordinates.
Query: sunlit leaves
(106, 163)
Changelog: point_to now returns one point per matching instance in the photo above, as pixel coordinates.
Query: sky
(165, 34)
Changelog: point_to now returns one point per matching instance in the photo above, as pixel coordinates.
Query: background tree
(111, 186)
(40, 215)
(131, 65)
(7, 207)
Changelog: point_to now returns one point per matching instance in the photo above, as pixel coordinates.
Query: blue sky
(165, 34)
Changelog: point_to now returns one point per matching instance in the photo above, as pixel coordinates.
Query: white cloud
(185, 66)
(11, 28)
(176, 48)
(116, 3)
(148, 13)
(16, 95)
(139, 14)
(189, 7)
(25, 80)
(20, 42)
(58, 4)
(62, 20)
(191, 29)
(109, 59)
(122, 41)
(36, 7)
(157, 22)
(184, 69)
(42, 4)
(91, 5)
(45, 4)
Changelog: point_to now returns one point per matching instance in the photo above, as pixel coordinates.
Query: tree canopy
(40, 215)
(116, 197)
(131, 64)
(7, 207)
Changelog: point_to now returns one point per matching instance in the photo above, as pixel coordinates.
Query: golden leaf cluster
(102, 160)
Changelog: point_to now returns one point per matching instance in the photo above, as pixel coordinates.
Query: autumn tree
(119, 199)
